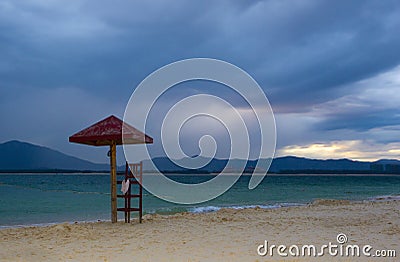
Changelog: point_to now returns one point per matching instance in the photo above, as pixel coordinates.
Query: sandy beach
(226, 235)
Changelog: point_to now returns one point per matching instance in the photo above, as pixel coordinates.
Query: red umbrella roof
(107, 130)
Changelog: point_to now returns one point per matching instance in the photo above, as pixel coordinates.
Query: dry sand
(226, 235)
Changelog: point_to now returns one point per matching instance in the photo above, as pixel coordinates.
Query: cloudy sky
(331, 69)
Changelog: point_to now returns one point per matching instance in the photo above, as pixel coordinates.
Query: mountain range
(19, 156)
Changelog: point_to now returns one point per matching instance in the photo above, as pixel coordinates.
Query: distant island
(23, 157)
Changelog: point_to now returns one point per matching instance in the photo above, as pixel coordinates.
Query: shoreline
(210, 209)
(227, 234)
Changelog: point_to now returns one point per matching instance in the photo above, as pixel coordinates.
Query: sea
(45, 199)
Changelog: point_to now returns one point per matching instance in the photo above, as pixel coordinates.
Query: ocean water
(40, 199)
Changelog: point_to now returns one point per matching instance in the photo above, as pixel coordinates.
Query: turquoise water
(27, 199)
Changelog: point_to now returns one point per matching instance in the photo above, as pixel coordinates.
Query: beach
(224, 235)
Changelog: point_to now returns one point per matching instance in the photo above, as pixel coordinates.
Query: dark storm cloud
(349, 41)
(374, 106)
(307, 49)
(303, 53)
(360, 121)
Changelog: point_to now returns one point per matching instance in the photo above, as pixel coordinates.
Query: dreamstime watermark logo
(341, 248)
(148, 92)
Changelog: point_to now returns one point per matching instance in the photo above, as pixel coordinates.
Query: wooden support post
(140, 192)
(113, 160)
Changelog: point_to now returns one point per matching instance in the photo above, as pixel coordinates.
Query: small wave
(54, 223)
(29, 225)
(206, 209)
(385, 198)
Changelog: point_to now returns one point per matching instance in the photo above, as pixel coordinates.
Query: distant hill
(16, 155)
(22, 156)
(288, 164)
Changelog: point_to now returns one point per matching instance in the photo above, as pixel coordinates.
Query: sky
(330, 69)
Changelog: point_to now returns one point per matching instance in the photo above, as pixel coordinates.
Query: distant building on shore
(386, 168)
